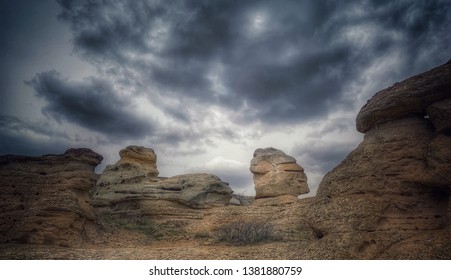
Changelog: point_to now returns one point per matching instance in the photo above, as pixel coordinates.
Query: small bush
(202, 235)
(145, 227)
(242, 232)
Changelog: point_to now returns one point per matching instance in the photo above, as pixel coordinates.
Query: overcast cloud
(205, 83)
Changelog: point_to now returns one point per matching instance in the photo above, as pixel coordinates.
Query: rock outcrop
(45, 199)
(137, 165)
(411, 97)
(132, 184)
(390, 198)
(192, 190)
(277, 174)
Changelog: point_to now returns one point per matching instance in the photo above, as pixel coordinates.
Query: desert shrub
(202, 235)
(144, 226)
(246, 232)
(172, 229)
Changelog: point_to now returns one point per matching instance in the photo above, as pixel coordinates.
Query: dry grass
(246, 232)
(130, 221)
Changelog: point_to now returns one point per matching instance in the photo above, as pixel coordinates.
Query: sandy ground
(160, 250)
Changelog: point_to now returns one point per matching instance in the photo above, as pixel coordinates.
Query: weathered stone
(440, 116)
(191, 190)
(271, 155)
(274, 201)
(234, 201)
(277, 174)
(45, 199)
(409, 97)
(262, 167)
(131, 184)
(203, 190)
(391, 195)
(293, 167)
(137, 165)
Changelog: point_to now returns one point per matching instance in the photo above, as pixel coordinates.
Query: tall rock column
(277, 174)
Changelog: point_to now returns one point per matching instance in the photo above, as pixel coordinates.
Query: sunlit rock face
(277, 174)
(45, 199)
(390, 198)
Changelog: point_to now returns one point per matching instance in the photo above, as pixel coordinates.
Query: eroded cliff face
(390, 198)
(45, 199)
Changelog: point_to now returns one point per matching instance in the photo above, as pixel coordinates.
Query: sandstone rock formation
(137, 165)
(193, 190)
(132, 184)
(390, 198)
(411, 97)
(45, 199)
(276, 174)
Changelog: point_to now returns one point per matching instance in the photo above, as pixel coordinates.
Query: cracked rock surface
(390, 198)
(45, 199)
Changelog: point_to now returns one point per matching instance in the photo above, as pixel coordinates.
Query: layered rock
(193, 190)
(277, 174)
(440, 115)
(390, 197)
(132, 184)
(45, 199)
(411, 97)
(136, 165)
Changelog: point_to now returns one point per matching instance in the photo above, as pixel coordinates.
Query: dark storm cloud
(325, 146)
(29, 138)
(238, 180)
(92, 103)
(287, 60)
(418, 29)
(322, 157)
(105, 29)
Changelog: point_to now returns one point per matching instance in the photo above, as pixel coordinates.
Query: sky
(205, 83)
